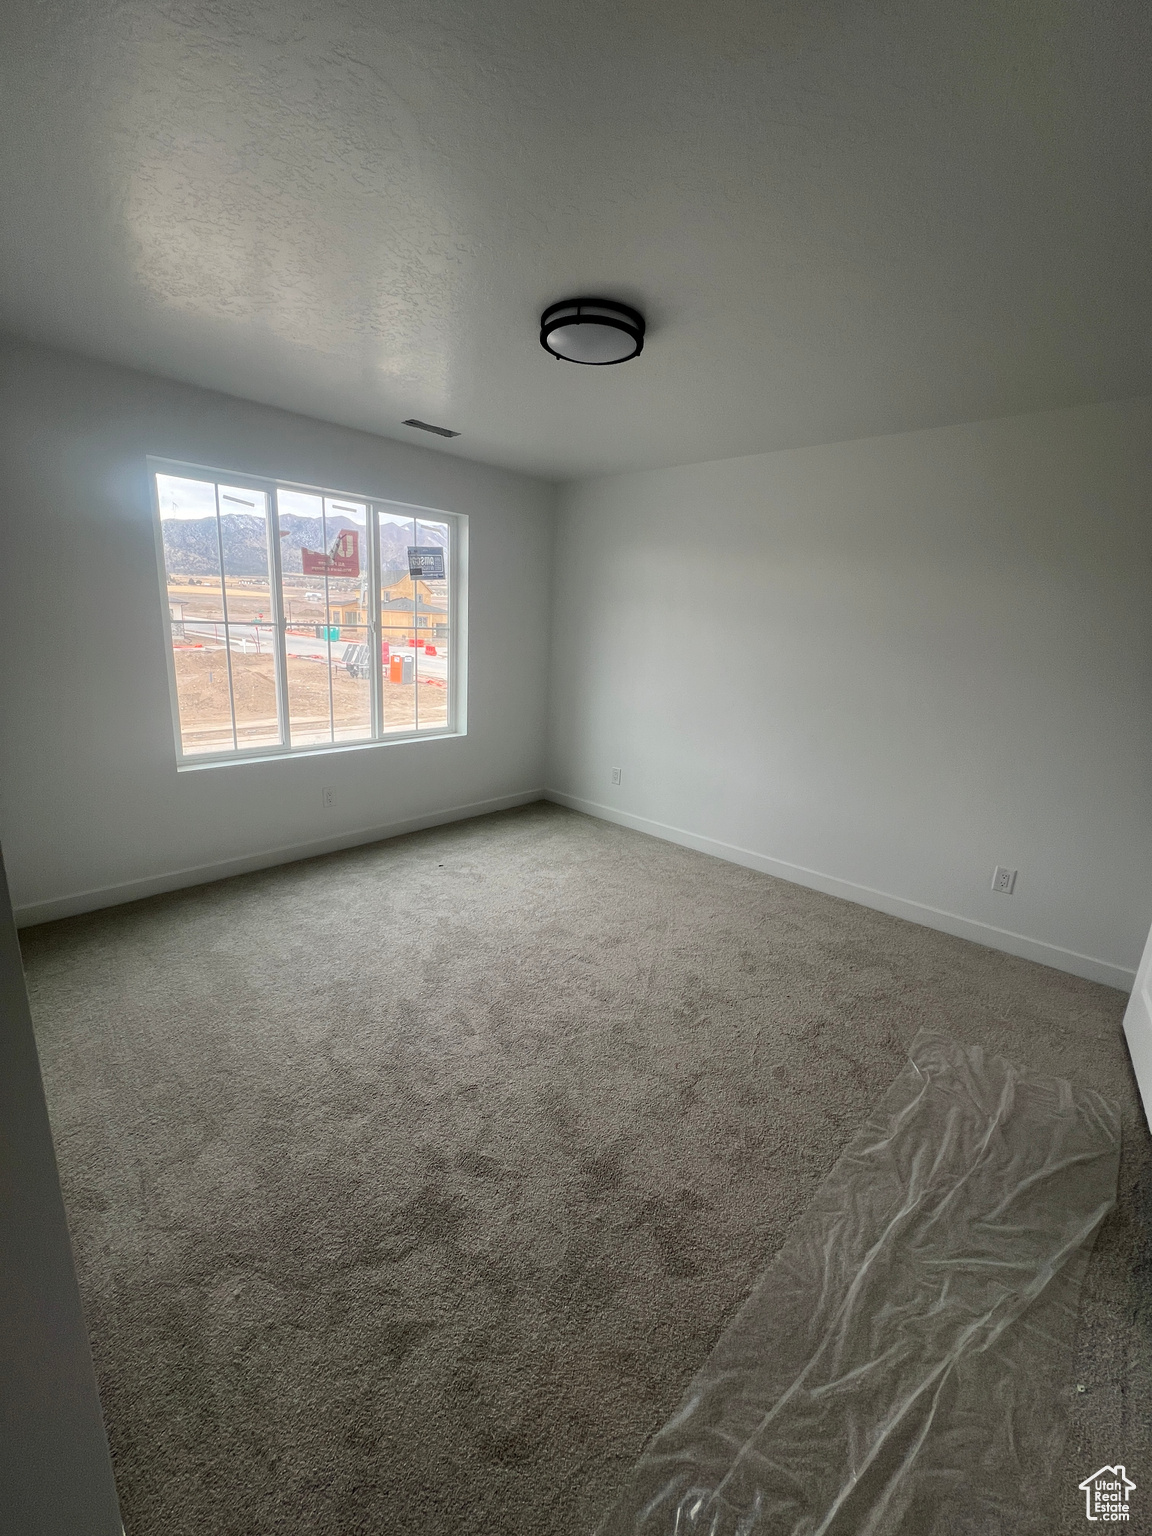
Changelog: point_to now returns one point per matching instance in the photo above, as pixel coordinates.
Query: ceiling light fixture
(592, 331)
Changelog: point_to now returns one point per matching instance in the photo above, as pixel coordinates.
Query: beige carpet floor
(410, 1185)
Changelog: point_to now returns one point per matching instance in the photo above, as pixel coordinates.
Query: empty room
(576, 768)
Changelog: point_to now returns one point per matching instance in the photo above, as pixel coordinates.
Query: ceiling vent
(426, 426)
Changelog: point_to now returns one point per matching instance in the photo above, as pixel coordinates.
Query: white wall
(922, 656)
(93, 810)
(55, 1473)
(929, 654)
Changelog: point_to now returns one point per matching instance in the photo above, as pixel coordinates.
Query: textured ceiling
(840, 219)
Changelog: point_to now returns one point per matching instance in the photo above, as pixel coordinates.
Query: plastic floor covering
(904, 1364)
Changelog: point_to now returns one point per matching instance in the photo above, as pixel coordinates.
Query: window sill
(295, 754)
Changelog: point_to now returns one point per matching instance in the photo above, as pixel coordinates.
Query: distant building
(348, 612)
(401, 587)
(429, 622)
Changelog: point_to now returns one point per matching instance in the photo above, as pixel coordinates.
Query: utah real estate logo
(1106, 1494)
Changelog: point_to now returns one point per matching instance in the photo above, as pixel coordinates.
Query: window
(302, 620)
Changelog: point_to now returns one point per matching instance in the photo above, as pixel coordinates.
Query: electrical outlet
(615, 775)
(329, 796)
(1004, 880)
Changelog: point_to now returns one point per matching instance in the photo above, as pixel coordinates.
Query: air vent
(426, 426)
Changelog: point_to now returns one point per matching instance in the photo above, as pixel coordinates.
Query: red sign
(343, 559)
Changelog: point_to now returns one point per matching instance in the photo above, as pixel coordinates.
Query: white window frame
(375, 505)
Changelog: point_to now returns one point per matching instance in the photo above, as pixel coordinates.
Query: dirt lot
(202, 686)
(245, 601)
(251, 599)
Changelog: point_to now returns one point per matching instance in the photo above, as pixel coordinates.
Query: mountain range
(190, 543)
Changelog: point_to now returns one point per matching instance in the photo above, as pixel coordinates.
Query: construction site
(224, 653)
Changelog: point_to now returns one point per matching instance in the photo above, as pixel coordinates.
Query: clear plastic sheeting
(903, 1364)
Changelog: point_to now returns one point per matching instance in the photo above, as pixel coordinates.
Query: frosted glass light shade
(592, 331)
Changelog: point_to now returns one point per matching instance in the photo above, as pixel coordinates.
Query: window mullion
(450, 666)
(224, 606)
(415, 638)
(278, 619)
(375, 633)
(327, 621)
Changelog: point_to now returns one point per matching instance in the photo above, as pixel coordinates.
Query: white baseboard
(200, 874)
(1019, 944)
